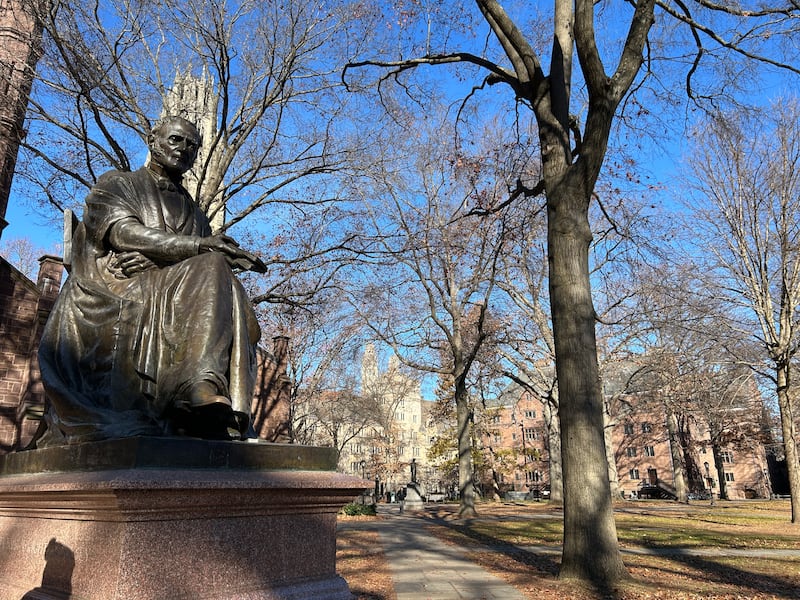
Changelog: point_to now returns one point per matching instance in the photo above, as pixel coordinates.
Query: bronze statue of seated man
(152, 333)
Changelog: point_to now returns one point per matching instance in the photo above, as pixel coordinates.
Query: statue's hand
(238, 259)
(221, 243)
(128, 264)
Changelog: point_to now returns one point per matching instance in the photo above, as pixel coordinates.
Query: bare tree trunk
(591, 550)
(464, 421)
(723, 486)
(611, 461)
(495, 485)
(789, 430)
(554, 442)
(678, 458)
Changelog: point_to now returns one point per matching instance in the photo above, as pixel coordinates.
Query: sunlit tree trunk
(554, 439)
(716, 452)
(591, 550)
(678, 457)
(789, 431)
(465, 479)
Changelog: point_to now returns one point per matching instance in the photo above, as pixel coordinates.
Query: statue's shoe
(205, 394)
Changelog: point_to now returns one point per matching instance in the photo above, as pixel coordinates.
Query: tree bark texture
(464, 421)
(591, 550)
(678, 460)
(554, 440)
(789, 430)
(716, 452)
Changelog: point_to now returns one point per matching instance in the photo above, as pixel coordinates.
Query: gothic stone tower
(20, 49)
(195, 99)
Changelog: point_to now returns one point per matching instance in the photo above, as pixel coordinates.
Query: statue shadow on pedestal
(57, 575)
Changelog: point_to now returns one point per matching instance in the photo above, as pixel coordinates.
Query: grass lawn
(662, 542)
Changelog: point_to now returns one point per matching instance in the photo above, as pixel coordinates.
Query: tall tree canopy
(746, 181)
(573, 135)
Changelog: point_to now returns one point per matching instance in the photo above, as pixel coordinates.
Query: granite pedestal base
(413, 501)
(225, 523)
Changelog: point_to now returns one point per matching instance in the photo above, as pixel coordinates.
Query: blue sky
(24, 222)
(43, 227)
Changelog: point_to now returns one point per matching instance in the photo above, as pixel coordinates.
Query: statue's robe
(119, 354)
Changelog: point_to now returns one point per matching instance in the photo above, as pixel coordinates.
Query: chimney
(51, 269)
(280, 349)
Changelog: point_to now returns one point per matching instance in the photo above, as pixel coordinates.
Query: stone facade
(20, 48)
(385, 451)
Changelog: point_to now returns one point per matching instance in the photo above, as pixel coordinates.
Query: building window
(628, 428)
(530, 433)
(533, 476)
(630, 451)
(530, 414)
(496, 438)
(646, 428)
(416, 452)
(633, 473)
(401, 416)
(513, 436)
(726, 457)
(728, 476)
(649, 451)
(496, 419)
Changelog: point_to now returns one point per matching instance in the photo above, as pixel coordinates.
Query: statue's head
(173, 144)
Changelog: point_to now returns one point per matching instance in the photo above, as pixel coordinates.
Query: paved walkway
(424, 568)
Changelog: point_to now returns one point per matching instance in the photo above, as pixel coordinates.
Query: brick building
(24, 307)
(515, 437)
(515, 444)
(644, 456)
(270, 408)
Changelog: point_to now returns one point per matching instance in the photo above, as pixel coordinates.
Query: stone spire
(369, 369)
(195, 99)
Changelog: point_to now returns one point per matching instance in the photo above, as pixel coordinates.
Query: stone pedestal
(413, 500)
(171, 519)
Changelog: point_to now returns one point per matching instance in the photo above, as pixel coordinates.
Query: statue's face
(174, 146)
